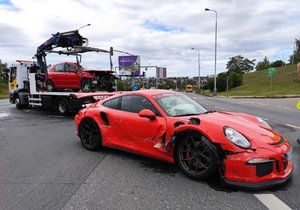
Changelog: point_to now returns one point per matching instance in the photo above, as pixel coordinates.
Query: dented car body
(169, 126)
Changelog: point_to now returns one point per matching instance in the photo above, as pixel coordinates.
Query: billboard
(129, 65)
(161, 72)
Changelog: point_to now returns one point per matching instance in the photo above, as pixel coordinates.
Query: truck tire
(18, 103)
(62, 106)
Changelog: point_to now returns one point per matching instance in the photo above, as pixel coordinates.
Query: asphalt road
(44, 166)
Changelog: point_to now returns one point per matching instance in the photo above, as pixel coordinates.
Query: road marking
(293, 126)
(271, 201)
(218, 107)
(283, 107)
(4, 115)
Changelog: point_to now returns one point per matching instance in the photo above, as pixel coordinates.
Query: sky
(161, 32)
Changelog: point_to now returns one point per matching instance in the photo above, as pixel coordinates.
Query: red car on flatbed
(243, 149)
(69, 75)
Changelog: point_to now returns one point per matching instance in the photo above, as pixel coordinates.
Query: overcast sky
(161, 32)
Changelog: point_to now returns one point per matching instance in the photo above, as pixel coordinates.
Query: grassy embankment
(3, 89)
(285, 82)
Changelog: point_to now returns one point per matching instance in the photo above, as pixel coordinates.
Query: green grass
(3, 89)
(285, 82)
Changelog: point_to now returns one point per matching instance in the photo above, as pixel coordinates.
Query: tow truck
(26, 77)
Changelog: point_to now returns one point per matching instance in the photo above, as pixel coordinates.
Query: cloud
(161, 32)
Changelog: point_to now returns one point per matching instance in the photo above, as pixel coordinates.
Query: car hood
(247, 125)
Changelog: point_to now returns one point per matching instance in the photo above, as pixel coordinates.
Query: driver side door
(134, 132)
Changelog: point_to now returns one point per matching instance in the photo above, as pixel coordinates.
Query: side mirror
(147, 113)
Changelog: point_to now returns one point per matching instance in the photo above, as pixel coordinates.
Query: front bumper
(239, 172)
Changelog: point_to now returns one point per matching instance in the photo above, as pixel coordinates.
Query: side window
(59, 67)
(137, 103)
(113, 103)
(69, 67)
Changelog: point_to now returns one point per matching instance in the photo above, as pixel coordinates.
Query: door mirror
(147, 113)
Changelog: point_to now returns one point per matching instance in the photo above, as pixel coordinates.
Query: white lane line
(272, 202)
(283, 107)
(293, 126)
(218, 107)
(4, 115)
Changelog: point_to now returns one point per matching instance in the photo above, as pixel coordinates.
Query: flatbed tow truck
(26, 78)
(24, 93)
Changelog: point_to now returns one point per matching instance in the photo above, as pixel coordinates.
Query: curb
(276, 96)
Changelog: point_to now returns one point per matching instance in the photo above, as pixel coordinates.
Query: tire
(50, 86)
(90, 135)
(18, 103)
(62, 106)
(86, 85)
(195, 156)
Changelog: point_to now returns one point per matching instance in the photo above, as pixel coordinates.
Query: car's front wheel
(86, 85)
(90, 134)
(50, 86)
(195, 156)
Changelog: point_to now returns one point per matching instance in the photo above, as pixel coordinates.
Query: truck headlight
(236, 137)
(262, 121)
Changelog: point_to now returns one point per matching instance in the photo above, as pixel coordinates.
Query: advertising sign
(129, 65)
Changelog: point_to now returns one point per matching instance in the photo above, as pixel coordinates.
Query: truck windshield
(12, 74)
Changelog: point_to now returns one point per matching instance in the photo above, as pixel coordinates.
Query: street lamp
(215, 76)
(199, 79)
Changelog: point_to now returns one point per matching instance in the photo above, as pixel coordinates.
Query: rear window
(112, 103)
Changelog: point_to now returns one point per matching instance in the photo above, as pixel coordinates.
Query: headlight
(236, 137)
(262, 121)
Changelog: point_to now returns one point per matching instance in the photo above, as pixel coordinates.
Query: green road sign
(271, 72)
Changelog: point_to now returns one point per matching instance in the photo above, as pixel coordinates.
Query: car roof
(152, 92)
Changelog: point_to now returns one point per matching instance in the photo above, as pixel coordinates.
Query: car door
(58, 76)
(138, 133)
(72, 76)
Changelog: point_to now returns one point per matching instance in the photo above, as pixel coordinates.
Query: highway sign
(271, 72)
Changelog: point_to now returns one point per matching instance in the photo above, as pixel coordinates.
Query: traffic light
(111, 51)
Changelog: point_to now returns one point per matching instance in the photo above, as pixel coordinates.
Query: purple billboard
(129, 65)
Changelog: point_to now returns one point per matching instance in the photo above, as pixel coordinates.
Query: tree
(240, 64)
(4, 71)
(264, 64)
(277, 63)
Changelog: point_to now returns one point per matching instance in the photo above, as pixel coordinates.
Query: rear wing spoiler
(98, 96)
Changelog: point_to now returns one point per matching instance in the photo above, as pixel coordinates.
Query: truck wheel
(62, 106)
(18, 103)
(86, 85)
(50, 86)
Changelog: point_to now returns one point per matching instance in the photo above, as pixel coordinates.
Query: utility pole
(216, 30)
(199, 76)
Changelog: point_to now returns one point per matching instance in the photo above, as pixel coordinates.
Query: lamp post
(199, 79)
(216, 26)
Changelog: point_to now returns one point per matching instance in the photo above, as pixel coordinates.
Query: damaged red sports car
(170, 126)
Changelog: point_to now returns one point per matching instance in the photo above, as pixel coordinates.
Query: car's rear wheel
(86, 85)
(195, 156)
(90, 135)
(50, 86)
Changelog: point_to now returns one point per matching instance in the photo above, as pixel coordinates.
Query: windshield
(12, 75)
(176, 104)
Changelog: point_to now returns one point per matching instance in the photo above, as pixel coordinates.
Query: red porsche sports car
(170, 126)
